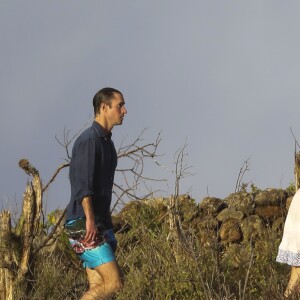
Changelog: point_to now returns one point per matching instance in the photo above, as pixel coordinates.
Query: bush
(156, 265)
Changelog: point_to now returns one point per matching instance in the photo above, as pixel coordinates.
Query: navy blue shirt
(92, 169)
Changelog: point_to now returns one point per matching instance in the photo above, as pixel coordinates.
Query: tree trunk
(6, 271)
(176, 236)
(17, 245)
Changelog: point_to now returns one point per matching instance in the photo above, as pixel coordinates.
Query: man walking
(89, 225)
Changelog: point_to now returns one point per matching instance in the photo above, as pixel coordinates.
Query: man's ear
(103, 107)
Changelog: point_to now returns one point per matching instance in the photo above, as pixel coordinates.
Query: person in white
(289, 248)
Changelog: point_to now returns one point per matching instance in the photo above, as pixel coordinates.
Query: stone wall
(241, 223)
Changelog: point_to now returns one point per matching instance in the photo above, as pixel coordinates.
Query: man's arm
(91, 229)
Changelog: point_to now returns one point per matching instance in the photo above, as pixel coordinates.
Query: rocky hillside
(237, 226)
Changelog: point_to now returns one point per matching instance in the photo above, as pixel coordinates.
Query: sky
(221, 77)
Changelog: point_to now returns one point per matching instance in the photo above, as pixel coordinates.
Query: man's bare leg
(294, 282)
(104, 281)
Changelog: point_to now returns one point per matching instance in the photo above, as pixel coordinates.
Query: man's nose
(124, 110)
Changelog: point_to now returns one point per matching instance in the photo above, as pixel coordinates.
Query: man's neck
(103, 123)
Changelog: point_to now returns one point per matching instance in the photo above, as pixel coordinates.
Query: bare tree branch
(135, 154)
(296, 142)
(181, 168)
(54, 175)
(244, 168)
(67, 140)
(49, 237)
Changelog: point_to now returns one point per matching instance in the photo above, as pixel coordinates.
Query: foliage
(291, 189)
(151, 270)
(154, 270)
(55, 275)
(162, 252)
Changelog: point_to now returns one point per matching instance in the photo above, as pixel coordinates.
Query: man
(92, 168)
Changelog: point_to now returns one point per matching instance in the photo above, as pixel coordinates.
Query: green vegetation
(158, 264)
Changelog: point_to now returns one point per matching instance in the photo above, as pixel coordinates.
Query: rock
(212, 206)
(188, 208)
(269, 212)
(268, 197)
(241, 201)
(252, 227)
(229, 213)
(230, 231)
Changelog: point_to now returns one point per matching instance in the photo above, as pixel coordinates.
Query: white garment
(289, 248)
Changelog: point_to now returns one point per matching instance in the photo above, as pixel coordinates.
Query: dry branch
(6, 258)
(62, 166)
(51, 237)
(135, 154)
(244, 168)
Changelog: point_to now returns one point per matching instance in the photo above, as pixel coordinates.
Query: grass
(157, 266)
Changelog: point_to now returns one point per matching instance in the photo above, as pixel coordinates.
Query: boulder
(241, 201)
(229, 213)
(252, 227)
(188, 208)
(270, 212)
(230, 231)
(212, 206)
(276, 197)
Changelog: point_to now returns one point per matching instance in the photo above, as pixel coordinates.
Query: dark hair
(105, 95)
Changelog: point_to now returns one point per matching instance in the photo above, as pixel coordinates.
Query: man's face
(115, 113)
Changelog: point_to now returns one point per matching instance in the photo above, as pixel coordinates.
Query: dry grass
(156, 268)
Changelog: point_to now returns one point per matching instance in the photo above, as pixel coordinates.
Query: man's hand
(90, 226)
(91, 231)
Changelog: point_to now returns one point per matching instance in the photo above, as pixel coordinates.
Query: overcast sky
(221, 75)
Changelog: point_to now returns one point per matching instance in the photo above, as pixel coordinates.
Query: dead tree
(17, 245)
(7, 274)
(177, 237)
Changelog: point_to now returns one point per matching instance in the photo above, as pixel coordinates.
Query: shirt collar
(101, 131)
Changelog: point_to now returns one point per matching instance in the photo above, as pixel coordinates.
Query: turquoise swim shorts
(97, 254)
